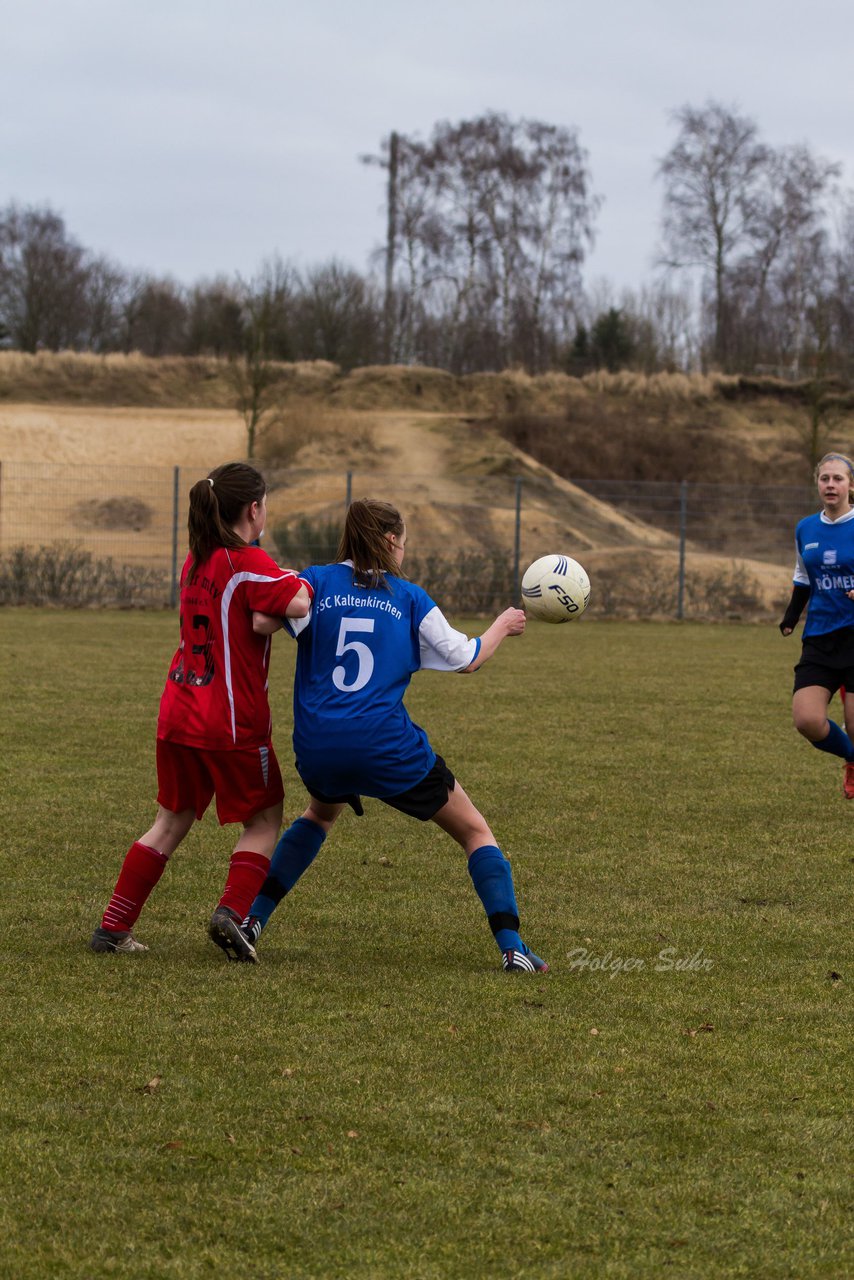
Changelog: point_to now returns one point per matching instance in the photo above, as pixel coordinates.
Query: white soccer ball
(555, 589)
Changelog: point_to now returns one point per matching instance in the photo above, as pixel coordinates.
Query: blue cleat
(523, 962)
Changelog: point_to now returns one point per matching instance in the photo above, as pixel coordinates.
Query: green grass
(375, 1099)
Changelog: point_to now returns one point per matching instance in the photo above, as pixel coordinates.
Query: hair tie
(210, 482)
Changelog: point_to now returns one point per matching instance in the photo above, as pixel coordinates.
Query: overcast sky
(198, 137)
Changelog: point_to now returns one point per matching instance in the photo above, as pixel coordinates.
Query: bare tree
(155, 316)
(105, 291)
(712, 177)
(338, 317)
(782, 271)
(267, 302)
(215, 319)
(493, 219)
(42, 279)
(842, 267)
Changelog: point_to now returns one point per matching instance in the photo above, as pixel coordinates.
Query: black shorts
(423, 801)
(827, 661)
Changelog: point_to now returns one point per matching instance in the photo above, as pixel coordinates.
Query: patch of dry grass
(681, 388)
(69, 377)
(400, 386)
(316, 433)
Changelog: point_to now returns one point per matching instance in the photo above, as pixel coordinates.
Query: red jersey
(216, 692)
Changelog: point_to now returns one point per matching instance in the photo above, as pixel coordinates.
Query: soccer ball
(555, 589)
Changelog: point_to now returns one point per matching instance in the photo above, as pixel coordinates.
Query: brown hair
(849, 465)
(216, 504)
(365, 540)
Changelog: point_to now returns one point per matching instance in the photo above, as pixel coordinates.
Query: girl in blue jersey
(367, 632)
(824, 577)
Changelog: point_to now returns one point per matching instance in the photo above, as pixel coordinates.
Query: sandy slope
(118, 437)
(454, 480)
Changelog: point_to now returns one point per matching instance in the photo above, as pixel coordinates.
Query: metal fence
(85, 535)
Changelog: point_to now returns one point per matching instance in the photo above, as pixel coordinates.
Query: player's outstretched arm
(509, 623)
(265, 624)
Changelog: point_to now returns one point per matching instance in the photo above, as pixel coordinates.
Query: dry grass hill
(446, 449)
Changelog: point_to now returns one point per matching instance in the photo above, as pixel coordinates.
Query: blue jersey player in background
(824, 577)
(367, 632)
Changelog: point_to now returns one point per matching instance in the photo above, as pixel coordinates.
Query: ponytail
(365, 540)
(216, 505)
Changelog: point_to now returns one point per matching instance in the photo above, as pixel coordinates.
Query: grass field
(375, 1099)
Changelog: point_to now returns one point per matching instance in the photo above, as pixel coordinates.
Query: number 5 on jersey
(365, 668)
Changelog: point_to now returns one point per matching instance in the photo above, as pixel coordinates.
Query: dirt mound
(456, 480)
(124, 512)
(458, 487)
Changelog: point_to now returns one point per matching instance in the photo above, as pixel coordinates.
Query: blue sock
(493, 882)
(837, 743)
(294, 854)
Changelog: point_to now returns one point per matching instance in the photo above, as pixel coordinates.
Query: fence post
(683, 532)
(517, 546)
(173, 594)
(349, 498)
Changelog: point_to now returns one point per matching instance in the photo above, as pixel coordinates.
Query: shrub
(65, 574)
(469, 582)
(648, 587)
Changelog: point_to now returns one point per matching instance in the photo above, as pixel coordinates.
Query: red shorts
(245, 780)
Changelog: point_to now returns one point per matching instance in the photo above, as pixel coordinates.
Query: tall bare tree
(712, 180)
(493, 220)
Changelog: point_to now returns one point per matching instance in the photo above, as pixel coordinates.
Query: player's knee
(812, 727)
(323, 815)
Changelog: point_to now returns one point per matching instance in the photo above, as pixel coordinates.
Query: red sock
(141, 870)
(246, 873)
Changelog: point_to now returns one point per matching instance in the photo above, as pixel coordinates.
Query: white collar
(849, 515)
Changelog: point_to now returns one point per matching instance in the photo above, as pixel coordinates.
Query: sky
(197, 138)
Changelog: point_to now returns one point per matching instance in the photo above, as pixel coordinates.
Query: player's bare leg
(809, 713)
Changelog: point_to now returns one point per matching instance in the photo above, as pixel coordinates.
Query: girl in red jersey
(213, 731)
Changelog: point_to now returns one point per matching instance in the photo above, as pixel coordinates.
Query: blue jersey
(357, 651)
(825, 563)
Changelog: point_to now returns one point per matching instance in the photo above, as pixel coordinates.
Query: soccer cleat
(118, 942)
(224, 929)
(522, 962)
(848, 780)
(251, 929)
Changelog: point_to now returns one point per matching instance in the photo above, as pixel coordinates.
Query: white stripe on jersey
(443, 648)
(298, 625)
(233, 584)
(800, 576)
